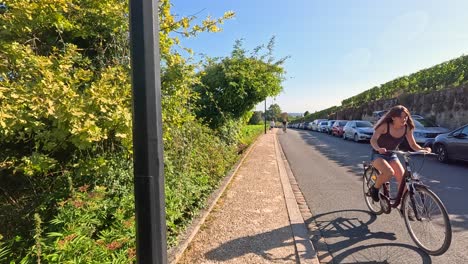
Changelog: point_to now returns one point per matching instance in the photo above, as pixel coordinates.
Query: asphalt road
(329, 169)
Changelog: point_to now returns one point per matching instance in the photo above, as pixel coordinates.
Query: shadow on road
(383, 253)
(346, 156)
(354, 226)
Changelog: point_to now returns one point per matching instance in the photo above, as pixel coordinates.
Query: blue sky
(338, 48)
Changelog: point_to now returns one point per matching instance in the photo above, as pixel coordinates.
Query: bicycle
(418, 203)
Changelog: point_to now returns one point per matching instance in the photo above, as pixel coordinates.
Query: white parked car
(316, 123)
(358, 130)
(322, 127)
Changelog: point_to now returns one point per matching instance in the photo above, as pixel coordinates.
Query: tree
(233, 85)
(273, 112)
(306, 113)
(256, 118)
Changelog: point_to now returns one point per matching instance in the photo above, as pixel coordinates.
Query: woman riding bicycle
(390, 131)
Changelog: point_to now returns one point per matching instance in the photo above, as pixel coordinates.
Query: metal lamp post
(264, 115)
(151, 242)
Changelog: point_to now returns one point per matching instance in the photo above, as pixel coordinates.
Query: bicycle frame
(407, 181)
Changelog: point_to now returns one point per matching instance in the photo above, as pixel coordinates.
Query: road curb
(176, 252)
(305, 251)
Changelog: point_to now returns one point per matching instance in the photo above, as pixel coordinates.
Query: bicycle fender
(412, 186)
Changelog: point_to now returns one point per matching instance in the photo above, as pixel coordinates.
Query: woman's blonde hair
(395, 111)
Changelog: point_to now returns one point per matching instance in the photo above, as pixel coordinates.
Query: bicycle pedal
(385, 204)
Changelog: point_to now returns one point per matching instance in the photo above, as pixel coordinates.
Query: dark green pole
(151, 244)
(264, 114)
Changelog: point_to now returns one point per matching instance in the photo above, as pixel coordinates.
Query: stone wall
(448, 107)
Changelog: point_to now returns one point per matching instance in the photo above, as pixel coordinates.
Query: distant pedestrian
(272, 124)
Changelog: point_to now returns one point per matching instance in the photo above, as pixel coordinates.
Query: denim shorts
(388, 158)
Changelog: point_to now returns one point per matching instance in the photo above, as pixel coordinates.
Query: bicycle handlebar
(409, 153)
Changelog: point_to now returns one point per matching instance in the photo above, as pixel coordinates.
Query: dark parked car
(453, 145)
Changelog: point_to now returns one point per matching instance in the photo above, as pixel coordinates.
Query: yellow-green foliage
(52, 105)
(66, 131)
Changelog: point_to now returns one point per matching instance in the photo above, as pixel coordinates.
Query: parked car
(414, 116)
(322, 127)
(376, 115)
(316, 123)
(424, 133)
(425, 130)
(329, 126)
(453, 145)
(337, 128)
(308, 126)
(358, 130)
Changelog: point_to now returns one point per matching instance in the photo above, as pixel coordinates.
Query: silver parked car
(316, 123)
(358, 130)
(308, 126)
(329, 126)
(426, 129)
(322, 127)
(453, 145)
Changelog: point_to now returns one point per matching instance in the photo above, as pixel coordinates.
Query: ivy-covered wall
(448, 107)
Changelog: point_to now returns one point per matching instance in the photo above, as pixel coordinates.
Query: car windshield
(363, 124)
(343, 123)
(424, 123)
(324, 123)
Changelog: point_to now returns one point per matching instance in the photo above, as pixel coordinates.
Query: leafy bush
(4, 251)
(92, 226)
(195, 161)
(249, 134)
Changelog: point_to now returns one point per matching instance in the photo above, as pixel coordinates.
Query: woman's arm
(412, 142)
(373, 141)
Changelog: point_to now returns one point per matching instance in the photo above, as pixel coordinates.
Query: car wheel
(442, 154)
(356, 138)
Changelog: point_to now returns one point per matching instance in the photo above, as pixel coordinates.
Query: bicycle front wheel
(367, 182)
(427, 221)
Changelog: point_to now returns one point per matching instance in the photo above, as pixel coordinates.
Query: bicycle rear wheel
(430, 228)
(367, 182)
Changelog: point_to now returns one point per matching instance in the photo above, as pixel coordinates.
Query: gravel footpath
(250, 222)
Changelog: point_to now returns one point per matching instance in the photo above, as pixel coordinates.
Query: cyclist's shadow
(351, 227)
(354, 226)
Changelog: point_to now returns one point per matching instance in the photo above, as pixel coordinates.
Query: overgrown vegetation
(66, 176)
(249, 134)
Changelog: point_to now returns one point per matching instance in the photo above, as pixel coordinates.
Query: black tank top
(388, 141)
